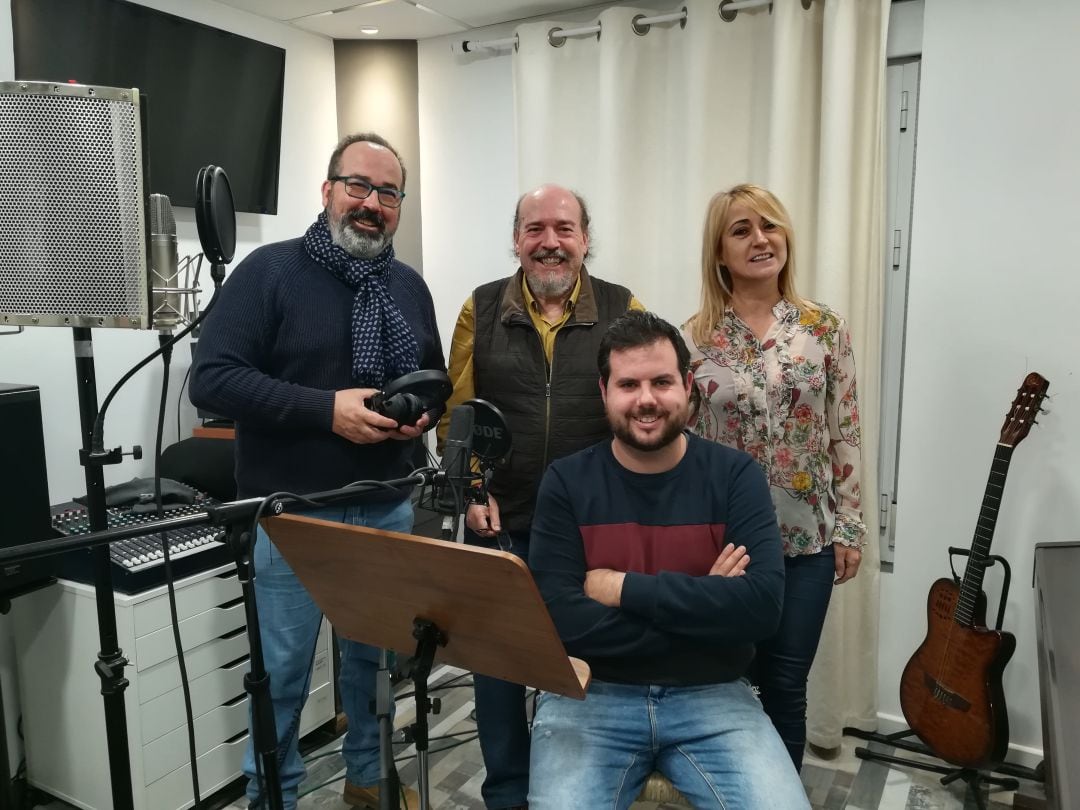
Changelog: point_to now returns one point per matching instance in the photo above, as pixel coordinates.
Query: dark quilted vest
(510, 370)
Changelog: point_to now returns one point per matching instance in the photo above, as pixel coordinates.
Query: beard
(554, 282)
(361, 244)
(674, 422)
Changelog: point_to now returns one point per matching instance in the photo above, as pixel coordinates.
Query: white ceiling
(400, 19)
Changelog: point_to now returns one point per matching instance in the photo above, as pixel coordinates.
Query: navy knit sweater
(676, 625)
(272, 353)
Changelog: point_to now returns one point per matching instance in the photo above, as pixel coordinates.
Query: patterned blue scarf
(383, 345)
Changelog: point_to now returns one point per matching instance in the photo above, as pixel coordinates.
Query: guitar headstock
(1024, 409)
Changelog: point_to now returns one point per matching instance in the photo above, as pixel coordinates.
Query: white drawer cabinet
(56, 639)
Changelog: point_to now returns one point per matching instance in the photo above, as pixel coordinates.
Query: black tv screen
(212, 97)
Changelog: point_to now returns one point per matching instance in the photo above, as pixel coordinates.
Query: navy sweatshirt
(272, 353)
(676, 625)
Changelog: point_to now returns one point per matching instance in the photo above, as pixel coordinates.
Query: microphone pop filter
(215, 215)
(491, 434)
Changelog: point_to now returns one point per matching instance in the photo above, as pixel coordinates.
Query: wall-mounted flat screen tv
(212, 96)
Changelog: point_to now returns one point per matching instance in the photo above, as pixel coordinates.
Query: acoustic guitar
(951, 692)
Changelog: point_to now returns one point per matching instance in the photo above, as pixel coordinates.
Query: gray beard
(547, 285)
(355, 243)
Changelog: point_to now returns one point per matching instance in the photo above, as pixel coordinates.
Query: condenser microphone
(455, 471)
(164, 265)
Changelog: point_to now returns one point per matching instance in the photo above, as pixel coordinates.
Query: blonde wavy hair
(716, 286)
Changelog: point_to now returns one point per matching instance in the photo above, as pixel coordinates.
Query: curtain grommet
(554, 40)
(806, 4)
(642, 29)
(726, 16)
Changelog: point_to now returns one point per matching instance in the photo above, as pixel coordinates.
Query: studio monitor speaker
(24, 484)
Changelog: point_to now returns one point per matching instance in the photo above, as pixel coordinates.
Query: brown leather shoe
(368, 797)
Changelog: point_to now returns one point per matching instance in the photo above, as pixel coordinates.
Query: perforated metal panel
(73, 235)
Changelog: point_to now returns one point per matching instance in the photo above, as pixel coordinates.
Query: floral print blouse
(789, 401)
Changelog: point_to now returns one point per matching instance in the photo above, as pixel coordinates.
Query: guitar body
(951, 692)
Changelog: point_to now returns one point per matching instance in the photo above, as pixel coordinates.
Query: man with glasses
(528, 343)
(303, 333)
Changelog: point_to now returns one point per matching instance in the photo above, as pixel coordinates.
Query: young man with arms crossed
(659, 558)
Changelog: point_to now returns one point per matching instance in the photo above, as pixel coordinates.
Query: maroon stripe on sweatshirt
(629, 547)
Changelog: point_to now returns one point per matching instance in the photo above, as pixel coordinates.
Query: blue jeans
(783, 661)
(713, 742)
(501, 722)
(289, 627)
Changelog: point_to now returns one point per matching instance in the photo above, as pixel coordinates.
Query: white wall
(44, 356)
(993, 292)
(470, 185)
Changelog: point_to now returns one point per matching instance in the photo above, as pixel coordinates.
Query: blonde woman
(775, 376)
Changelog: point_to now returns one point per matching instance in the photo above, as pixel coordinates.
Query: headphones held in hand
(410, 396)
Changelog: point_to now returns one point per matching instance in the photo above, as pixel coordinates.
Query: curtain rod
(641, 23)
(739, 5)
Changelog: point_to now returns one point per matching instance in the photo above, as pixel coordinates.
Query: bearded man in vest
(528, 344)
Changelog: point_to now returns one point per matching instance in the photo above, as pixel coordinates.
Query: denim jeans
(713, 742)
(501, 722)
(783, 661)
(289, 627)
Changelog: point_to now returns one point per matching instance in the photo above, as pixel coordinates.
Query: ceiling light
(369, 29)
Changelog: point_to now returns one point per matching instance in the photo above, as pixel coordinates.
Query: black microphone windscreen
(215, 215)
(491, 433)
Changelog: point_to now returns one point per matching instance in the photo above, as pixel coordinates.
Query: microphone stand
(389, 781)
(238, 517)
(110, 661)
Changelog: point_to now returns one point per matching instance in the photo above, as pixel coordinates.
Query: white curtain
(648, 127)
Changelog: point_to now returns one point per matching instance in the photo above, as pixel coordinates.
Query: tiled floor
(838, 782)
(841, 781)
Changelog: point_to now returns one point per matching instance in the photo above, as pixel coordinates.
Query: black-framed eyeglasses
(360, 189)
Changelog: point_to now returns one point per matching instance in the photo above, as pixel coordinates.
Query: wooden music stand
(480, 608)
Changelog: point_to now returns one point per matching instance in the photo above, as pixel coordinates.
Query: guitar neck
(971, 586)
